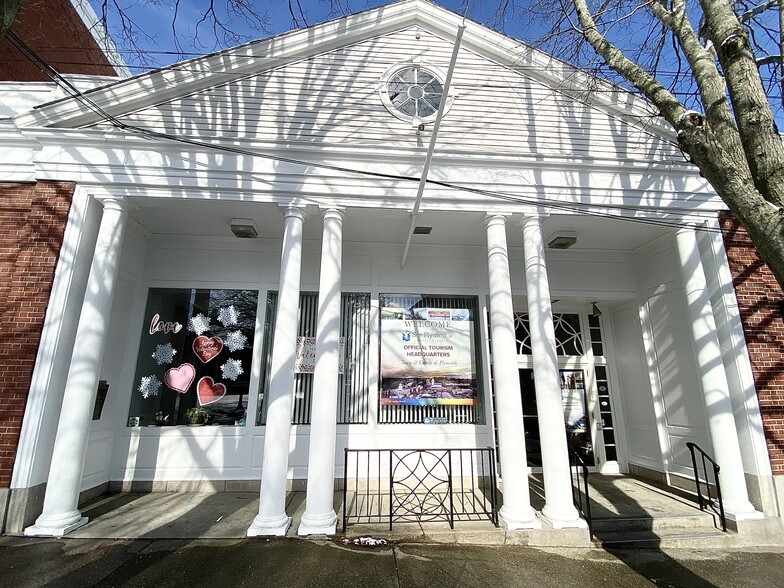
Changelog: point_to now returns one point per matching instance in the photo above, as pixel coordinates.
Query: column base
(517, 521)
(567, 518)
(325, 524)
(276, 527)
(41, 529)
(577, 523)
(742, 515)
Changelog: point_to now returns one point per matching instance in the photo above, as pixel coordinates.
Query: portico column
(61, 501)
(516, 513)
(272, 518)
(319, 517)
(559, 509)
(713, 379)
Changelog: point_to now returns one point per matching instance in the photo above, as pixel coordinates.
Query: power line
(588, 209)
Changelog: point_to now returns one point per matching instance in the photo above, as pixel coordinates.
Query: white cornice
(117, 141)
(259, 56)
(513, 188)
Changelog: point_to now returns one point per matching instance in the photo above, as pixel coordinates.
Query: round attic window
(412, 91)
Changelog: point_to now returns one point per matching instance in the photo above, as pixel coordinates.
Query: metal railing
(419, 485)
(707, 500)
(580, 494)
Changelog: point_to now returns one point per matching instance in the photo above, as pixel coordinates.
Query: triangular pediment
(320, 86)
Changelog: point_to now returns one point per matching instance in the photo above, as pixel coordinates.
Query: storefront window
(353, 372)
(429, 372)
(194, 357)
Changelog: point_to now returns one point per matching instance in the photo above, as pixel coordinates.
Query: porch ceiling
(212, 218)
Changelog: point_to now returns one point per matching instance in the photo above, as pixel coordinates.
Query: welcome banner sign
(427, 356)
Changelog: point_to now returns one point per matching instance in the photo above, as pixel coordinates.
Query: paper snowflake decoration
(150, 386)
(164, 354)
(199, 324)
(235, 341)
(232, 369)
(228, 316)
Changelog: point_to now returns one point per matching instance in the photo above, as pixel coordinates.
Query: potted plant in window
(196, 416)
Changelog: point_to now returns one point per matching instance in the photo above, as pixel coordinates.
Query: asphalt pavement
(29, 562)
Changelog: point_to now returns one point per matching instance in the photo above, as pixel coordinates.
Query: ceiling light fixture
(244, 228)
(561, 240)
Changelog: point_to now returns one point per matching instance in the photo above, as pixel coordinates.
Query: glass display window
(353, 376)
(429, 371)
(195, 357)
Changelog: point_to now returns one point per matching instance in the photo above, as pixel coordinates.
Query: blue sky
(154, 44)
(154, 18)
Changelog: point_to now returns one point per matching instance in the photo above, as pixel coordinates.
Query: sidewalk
(227, 515)
(86, 563)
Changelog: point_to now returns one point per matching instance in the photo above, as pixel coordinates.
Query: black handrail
(579, 471)
(388, 485)
(716, 505)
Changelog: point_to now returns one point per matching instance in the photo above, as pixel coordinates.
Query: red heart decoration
(180, 378)
(206, 348)
(207, 391)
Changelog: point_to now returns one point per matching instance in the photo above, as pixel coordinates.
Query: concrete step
(665, 538)
(698, 520)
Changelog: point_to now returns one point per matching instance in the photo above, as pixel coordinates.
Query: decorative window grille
(458, 413)
(352, 383)
(568, 337)
(414, 91)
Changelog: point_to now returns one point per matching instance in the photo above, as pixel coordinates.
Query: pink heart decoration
(180, 378)
(206, 348)
(207, 391)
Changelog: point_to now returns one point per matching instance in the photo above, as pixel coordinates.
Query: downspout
(432, 146)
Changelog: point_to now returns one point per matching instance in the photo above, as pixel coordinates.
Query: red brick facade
(759, 296)
(33, 219)
(54, 30)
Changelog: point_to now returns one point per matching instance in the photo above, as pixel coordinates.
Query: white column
(319, 517)
(559, 510)
(272, 518)
(516, 512)
(713, 380)
(61, 513)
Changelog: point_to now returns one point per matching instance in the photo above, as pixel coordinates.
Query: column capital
(495, 218)
(118, 203)
(687, 230)
(290, 210)
(533, 218)
(333, 212)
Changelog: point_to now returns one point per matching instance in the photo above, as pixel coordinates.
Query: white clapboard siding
(333, 99)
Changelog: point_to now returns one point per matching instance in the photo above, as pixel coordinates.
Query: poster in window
(428, 356)
(195, 353)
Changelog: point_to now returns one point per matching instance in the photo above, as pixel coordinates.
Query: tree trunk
(720, 151)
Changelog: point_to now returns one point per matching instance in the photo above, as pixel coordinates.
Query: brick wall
(56, 32)
(759, 296)
(33, 218)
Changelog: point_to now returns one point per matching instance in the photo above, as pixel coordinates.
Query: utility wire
(588, 209)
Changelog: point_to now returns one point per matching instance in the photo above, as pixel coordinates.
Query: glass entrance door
(576, 420)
